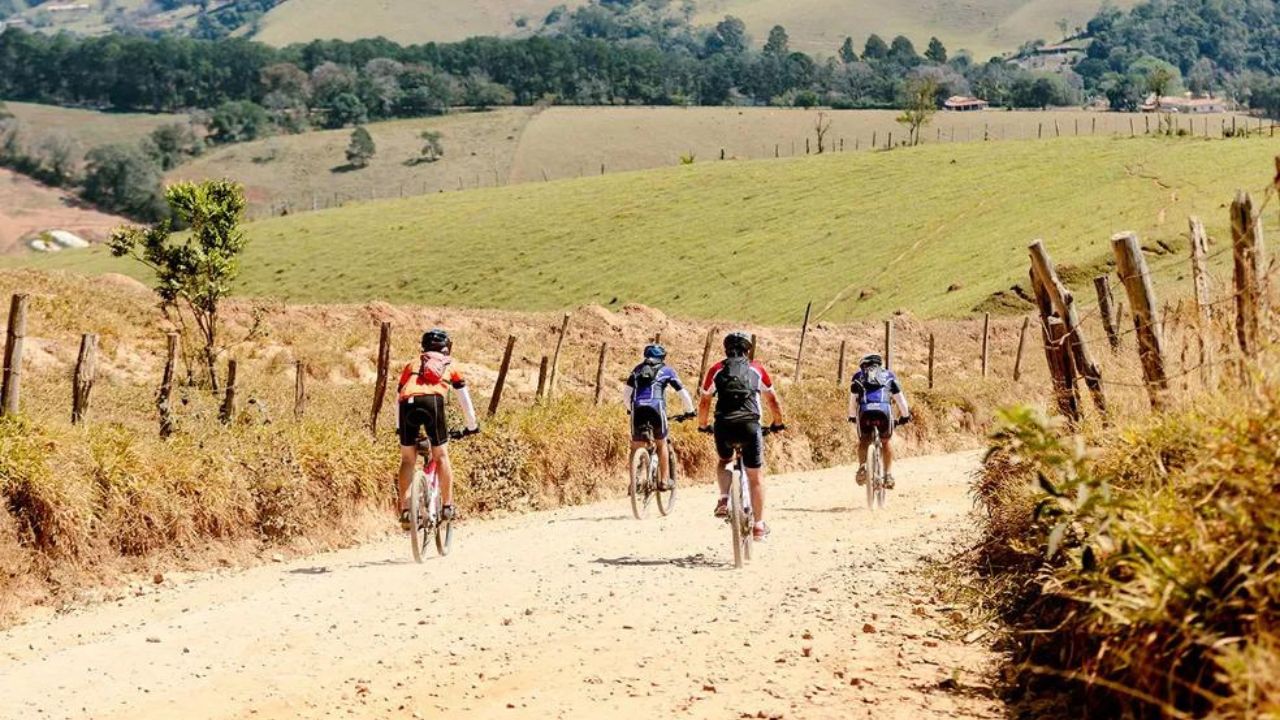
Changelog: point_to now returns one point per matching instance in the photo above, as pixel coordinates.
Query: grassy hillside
(986, 27)
(88, 128)
(936, 230)
(28, 208)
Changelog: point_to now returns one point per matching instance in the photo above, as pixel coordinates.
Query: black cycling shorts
(869, 420)
(423, 411)
(744, 435)
(642, 415)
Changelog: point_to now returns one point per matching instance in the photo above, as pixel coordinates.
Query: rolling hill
(938, 230)
(985, 27)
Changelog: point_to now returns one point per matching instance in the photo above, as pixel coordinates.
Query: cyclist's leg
(444, 472)
(753, 461)
(664, 471)
(864, 445)
(886, 450)
(639, 416)
(724, 476)
(408, 453)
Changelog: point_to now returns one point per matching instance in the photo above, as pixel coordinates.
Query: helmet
(871, 360)
(655, 352)
(737, 343)
(436, 340)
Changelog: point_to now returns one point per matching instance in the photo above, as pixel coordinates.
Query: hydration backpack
(735, 386)
(646, 374)
(433, 368)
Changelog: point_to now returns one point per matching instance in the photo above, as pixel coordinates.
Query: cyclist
(423, 389)
(645, 396)
(874, 391)
(737, 384)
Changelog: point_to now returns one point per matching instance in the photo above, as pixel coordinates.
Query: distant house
(1185, 105)
(963, 103)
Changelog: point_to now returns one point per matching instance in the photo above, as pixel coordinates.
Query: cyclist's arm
(705, 393)
(464, 400)
(855, 406)
(629, 391)
(899, 399)
(770, 395)
(686, 401)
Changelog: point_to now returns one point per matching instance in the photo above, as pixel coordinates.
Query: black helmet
(655, 352)
(737, 343)
(872, 360)
(436, 340)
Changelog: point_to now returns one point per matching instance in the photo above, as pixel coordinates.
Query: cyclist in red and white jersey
(738, 384)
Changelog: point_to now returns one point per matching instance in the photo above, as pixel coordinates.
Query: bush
(124, 179)
(238, 121)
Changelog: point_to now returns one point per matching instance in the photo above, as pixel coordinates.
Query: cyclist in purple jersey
(872, 395)
(645, 396)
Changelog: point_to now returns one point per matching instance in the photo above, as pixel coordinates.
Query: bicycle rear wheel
(736, 519)
(667, 498)
(873, 473)
(418, 515)
(640, 487)
(443, 528)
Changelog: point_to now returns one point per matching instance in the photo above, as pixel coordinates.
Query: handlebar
(767, 430)
(460, 434)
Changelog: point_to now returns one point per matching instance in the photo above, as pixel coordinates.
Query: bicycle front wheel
(418, 516)
(667, 498)
(873, 474)
(444, 529)
(640, 487)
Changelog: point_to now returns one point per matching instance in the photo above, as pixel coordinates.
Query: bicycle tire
(417, 503)
(667, 499)
(736, 518)
(637, 487)
(873, 473)
(443, 530)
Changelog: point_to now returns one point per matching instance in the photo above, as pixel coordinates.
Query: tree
(482, 93)
(822, 126)
(172, 144)
(238, 121)
(847, 53)
(875, 49)
(194, 271)
(920, 102)
(937, 52)
(433, 148)
(124, 179)
(779, 43)
(1202, 78)
(346, 110)
(903, 52)
(59, 155)
(729, 37)
(361, 148)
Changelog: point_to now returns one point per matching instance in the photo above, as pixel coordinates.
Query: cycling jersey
(422, 402)
(875, 393)
(653, 395)
(414, 382)
(751, 411)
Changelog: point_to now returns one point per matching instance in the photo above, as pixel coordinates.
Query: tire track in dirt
(581, 612)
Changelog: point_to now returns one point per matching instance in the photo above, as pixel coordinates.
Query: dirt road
(582, 612)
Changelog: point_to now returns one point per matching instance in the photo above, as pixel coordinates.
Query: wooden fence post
(751, 355)
(1204, 306)
(1062, 367)
(555, 357)
(604, 352)
(164, 398)
(11, 391)
(804, 330)
(986, 333)
(1064, 302)
(931, 351)
(1022, 343)
(1132, 267)
(380, 386)
(542, 379)
(840, 365)
(82, 379)
(502, 376)
(1249, 253)
(299, 390)
(1110, 322)
(227, 412)
(706, 354)
(888, 344)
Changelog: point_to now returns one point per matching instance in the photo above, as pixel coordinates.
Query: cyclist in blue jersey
(872, 395)
(645, 396)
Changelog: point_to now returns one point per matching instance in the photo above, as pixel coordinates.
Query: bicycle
(877, 493)
(643, 485)
(741, 518)
(426, 517)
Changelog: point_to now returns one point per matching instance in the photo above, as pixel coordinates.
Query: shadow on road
(815, 510)
(688, 562)
(611, 518)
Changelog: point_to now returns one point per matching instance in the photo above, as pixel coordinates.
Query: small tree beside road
(361, 148)
(920, 102)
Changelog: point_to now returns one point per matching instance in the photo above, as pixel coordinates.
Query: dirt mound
(124, 282)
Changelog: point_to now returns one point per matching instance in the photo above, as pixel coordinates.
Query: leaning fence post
(299, 390)
(502, 376)
(10, 392)
(1022, 343)
(82, 378)
(706, 354)
(751, 354)
(227, 412)
(1204, 307)
(1062, 368)
(931, 354)
(840, 365)
(1064, 302)
(164, 398)
(804, 330)
(542, 379)
(1249, 253)
(380, 386)
(604, 352)
(1110, 321)
(1132, 267)
(888, 344)
(555, 358)
(986, 334)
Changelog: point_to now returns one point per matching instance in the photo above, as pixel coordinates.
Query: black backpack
(647, 373)
(735, 388)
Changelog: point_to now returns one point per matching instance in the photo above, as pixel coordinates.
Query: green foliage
(347, 109)
(937, 52)
(124, 179)
(919, 104)
(847, 53)
(778, 44)
(433, 146)
(875, 48)
(173, 144)
(361, 149)
(197, 270)
(238, 121)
